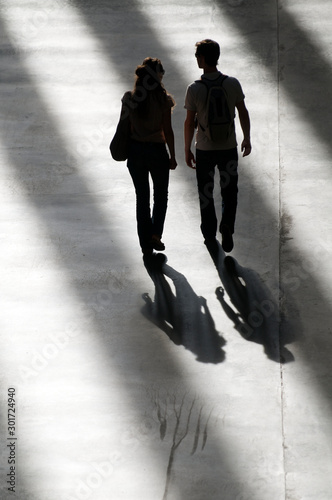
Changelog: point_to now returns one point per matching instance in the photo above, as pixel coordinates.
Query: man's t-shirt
(195, 100)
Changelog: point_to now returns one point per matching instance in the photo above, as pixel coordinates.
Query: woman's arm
(169, 136)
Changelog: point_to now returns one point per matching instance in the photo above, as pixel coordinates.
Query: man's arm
(245, 125)
(189, 130)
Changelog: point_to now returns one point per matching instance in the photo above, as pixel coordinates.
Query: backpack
(219, 121)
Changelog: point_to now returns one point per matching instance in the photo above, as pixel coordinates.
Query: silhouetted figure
(213, 111)
(183, 316)
(253, 310)
(150, 108)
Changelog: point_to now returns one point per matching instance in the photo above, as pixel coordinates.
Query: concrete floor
(136, 385)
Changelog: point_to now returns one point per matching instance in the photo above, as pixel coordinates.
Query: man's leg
(227, 165)
(205, 167)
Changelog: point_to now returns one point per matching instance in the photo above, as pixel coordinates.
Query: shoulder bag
(120, 143)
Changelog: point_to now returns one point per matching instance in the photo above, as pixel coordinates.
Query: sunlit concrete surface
(136, 385)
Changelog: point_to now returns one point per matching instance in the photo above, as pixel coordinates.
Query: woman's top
(148, 128)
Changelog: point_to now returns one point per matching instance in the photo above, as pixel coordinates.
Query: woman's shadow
(182, 315)
(254, 311)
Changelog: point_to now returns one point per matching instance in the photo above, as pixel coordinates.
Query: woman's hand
(172, 163)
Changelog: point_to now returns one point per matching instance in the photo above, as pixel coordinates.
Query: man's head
(210, 50)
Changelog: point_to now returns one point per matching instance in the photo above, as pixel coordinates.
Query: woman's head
(149, 73)
(148, 81)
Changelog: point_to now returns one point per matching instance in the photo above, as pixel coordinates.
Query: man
(217, 152)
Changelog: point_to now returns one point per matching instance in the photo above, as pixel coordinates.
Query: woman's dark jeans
(144, 159)
(227, 162)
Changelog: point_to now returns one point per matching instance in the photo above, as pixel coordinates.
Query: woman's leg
(160, 177)
(140, 176)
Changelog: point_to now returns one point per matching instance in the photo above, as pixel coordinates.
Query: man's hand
(190, 159)
(246, 147)
(189, 129)
(245, 125)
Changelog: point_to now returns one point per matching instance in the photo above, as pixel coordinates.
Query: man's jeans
(227, 162)
(144, 159)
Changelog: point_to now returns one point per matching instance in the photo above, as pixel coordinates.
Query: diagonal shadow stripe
(125, 69)
(55, 216)
(303, 69)
(245, 19)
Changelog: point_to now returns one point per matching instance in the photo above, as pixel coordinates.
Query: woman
(149, 107)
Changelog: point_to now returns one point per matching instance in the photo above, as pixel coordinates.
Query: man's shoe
(227, 239)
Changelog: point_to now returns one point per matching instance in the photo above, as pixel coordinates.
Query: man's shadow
(182, 315)
(254, 311)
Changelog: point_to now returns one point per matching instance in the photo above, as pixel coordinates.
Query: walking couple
(150, 108)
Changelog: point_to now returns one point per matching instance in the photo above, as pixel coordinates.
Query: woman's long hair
(148, 83)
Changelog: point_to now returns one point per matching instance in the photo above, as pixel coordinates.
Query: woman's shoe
(157, 243)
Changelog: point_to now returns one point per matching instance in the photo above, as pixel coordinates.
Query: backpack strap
(208, 84)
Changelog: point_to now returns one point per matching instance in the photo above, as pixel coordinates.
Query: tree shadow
(183, 316)
(255, 312)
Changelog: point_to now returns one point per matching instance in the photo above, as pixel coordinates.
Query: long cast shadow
(183, 316)
(254, 311)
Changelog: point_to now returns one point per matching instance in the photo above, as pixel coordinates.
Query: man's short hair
(210, 50)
